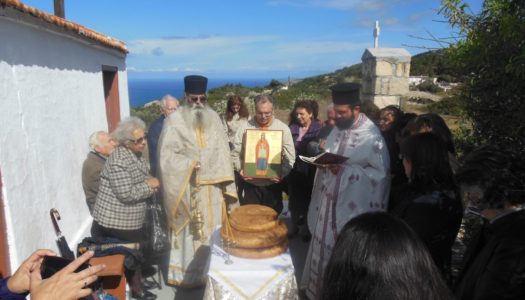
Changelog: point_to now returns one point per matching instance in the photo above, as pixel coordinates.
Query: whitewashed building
(59, 82)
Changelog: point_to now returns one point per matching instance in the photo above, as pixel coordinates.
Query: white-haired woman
(125, 187)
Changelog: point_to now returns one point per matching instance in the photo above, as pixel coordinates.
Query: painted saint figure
(262, 151)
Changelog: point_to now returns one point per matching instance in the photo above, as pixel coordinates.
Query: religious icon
(262, 153)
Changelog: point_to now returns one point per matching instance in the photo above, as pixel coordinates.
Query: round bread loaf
(253, 218)
(259, 253)
(255, 231)
(261, 239)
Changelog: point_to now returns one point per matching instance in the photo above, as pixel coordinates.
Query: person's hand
(275, 180)
(153, 183)
(19, 282)
(247, 178)
(65, 284)
(322, 144)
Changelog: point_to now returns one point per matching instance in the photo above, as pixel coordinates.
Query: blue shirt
(6, 294)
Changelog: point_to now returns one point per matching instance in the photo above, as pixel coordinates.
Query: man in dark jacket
(493, 181)
(101, 145)
(168, 105)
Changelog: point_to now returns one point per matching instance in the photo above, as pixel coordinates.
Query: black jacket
(494, 264)
(436, 217)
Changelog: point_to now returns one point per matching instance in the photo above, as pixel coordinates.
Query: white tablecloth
(271, 278)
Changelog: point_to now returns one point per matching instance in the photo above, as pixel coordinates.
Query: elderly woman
(492, 181)
(125, 187)
(388, 116)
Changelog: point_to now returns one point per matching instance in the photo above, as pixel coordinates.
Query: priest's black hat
(346, 93)
(195, 84)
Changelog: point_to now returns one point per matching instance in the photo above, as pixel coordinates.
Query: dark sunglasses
(201, 98)
(139, 140)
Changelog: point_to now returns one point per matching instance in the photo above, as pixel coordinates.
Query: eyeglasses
(140, 140)
(196, 98)
(264, 114)
(170, 108)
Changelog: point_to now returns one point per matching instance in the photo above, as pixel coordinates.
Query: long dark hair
(243, 111)
(377, 256)
(430, 167)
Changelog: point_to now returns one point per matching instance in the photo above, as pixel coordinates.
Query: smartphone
(52, 264)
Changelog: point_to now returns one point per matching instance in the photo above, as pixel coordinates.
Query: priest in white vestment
(341, 192)
(198, 182)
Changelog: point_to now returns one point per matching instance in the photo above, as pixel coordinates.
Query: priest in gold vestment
(198, 182)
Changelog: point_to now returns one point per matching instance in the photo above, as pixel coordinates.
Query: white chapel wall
(51, 99)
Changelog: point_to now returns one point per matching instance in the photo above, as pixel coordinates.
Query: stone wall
(385, 75)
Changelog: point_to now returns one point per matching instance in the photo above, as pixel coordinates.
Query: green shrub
(147, 114)
(429, 86)
(453, 105)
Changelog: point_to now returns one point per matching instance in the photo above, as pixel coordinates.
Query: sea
(142, 91)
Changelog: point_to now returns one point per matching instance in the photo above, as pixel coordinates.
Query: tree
(491, 52)
(275, 84)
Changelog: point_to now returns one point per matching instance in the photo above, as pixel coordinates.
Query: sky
(256, 38)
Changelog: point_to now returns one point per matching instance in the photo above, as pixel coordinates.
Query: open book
(325, 158)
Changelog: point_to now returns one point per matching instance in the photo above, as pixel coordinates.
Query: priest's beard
(344, 124)
(197, 117)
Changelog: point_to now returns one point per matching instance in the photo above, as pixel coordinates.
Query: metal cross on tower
(376, 35)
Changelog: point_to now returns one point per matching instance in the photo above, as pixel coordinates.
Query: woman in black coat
(430, 203)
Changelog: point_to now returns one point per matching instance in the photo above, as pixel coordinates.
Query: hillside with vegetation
(488, 103)
(434, 64)
(312, 88)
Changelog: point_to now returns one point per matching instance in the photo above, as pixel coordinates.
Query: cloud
(157, 51)
(239, 53)
(416, 17)
(194, 45)
(390, 21)
(359, 5)
(176, 37)
(384, 21)
(317, 48)
(366, 23)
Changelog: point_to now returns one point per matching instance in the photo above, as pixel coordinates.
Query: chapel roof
(65, 24)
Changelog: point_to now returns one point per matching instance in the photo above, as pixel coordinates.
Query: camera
(52, 264)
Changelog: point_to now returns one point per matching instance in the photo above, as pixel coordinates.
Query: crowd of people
(381, 225)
